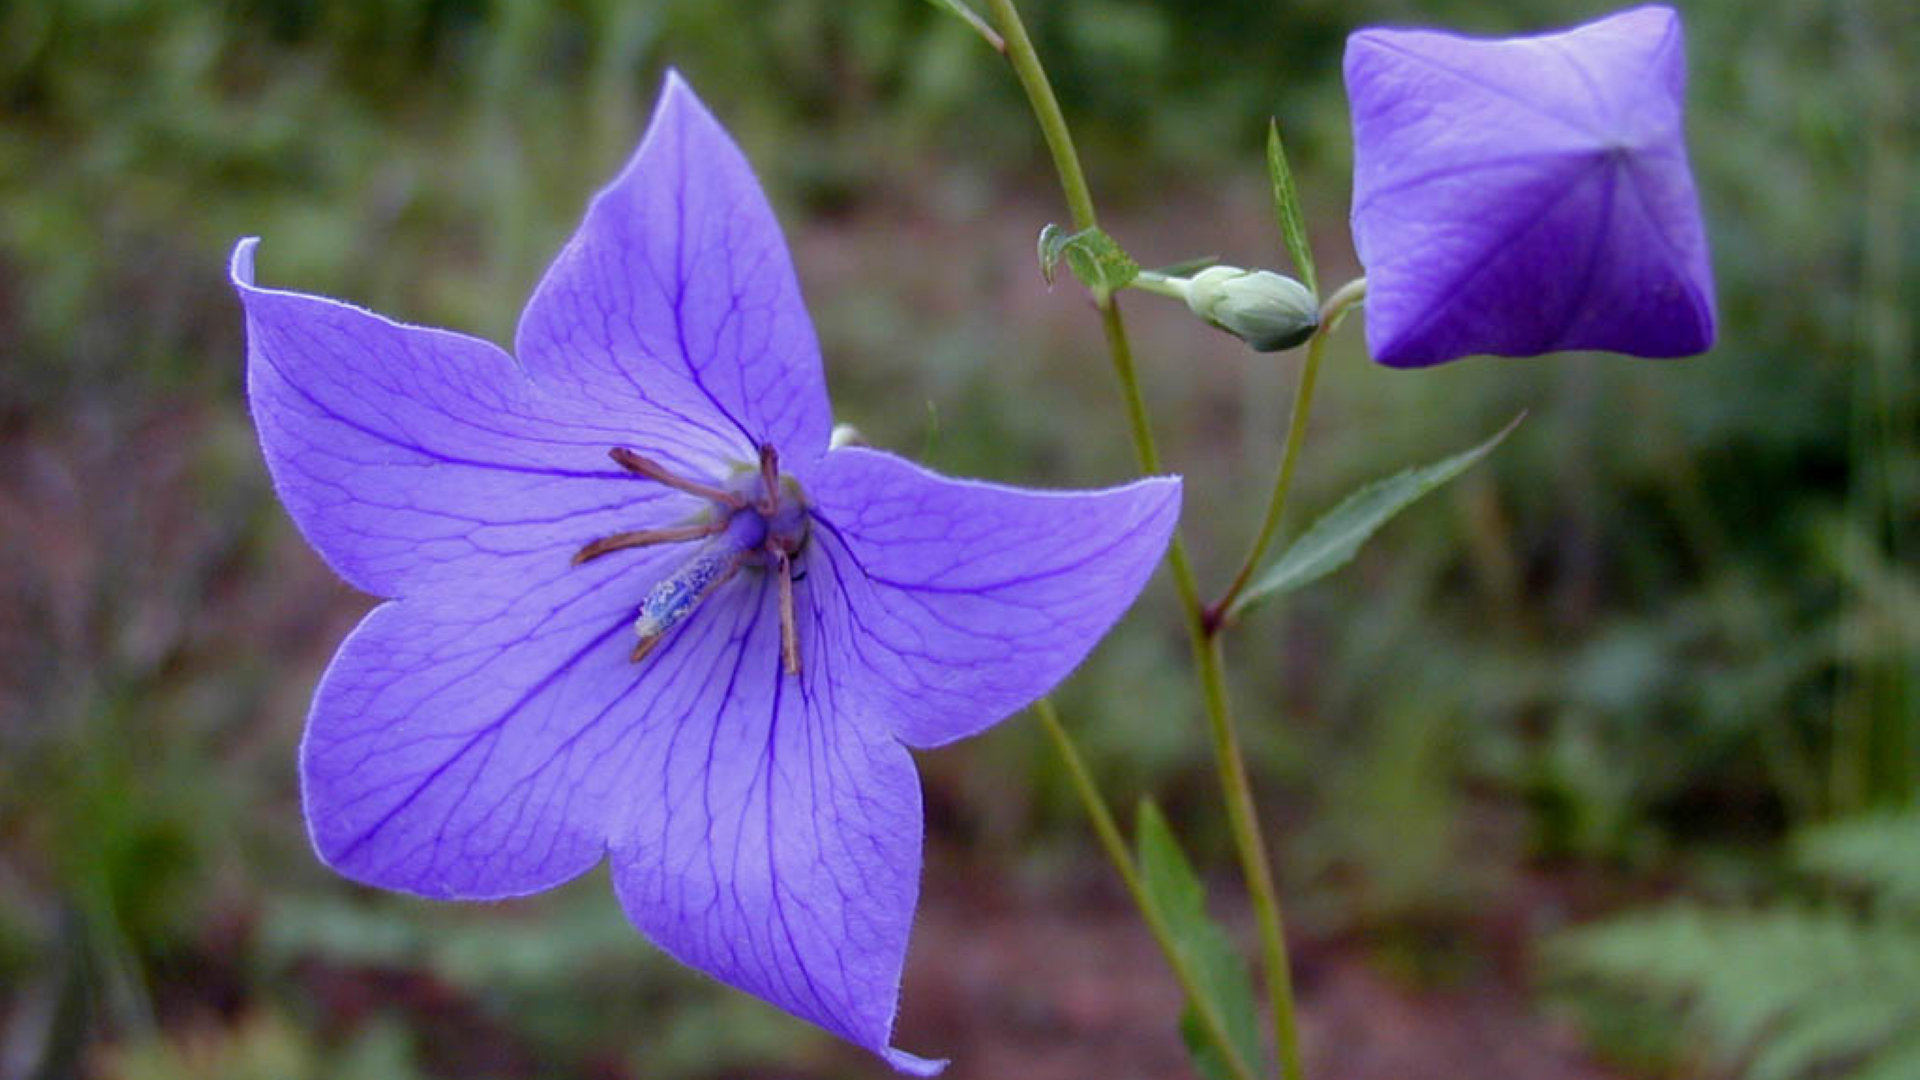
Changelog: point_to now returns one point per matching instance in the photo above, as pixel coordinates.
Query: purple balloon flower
(641, 610)
(1525, 195)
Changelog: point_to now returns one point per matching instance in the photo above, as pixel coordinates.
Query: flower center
(757, 518)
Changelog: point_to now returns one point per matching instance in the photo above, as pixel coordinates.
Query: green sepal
(1331, 542)
(1176, 892)
(1093, 256)
(1187, 267)
(1286, 206)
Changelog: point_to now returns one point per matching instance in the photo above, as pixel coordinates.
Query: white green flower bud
(1268, 311)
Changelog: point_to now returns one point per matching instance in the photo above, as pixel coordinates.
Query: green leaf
(972, 18)
(1332, 541)
(1873, 852)
(1286, 205)
(1092, 255)
(1796, 993)
(1176, 892)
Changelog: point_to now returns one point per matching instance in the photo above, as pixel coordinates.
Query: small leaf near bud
(1268, 311)
(1093, 256)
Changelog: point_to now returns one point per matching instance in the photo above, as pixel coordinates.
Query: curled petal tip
(912, 1065)
(240, 263)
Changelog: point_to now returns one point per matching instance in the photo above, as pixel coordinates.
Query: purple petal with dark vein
(677, 298)
(771, 836)
(959, 602)
(464, 747)
(415, 459)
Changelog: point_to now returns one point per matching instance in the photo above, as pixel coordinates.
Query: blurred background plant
(1673, 624)
(1824, 986)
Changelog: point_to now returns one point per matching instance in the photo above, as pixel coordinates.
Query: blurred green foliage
(1785, 992)
(1678, 613)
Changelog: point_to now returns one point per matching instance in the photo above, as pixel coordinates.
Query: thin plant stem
(1230, 764)
(1153, 281)
(1256, 867)
(1046, 109)
(1330, 315)
(1116, 847)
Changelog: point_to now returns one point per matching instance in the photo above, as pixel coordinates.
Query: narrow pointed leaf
(1187, 267)
(1332, 541)
(1093, 256)
(1174, 888)
(1286, 205)
(973, 20)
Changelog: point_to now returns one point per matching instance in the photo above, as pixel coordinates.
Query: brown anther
(646, 538)
(653, 470)
(646, 645)
(789, 626)
(769, 479)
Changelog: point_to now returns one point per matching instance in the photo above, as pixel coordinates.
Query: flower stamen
(759, 528)
(653, 470)
(672, 600)
(789, 627)
(647, 538)
(769, 480)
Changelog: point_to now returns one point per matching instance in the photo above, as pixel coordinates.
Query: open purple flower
(1525, 195)
(640, 610)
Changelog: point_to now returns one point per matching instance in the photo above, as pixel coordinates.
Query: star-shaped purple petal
(638, 610)
(1526, 195)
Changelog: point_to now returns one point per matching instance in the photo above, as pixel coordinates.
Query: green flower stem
(1159, 284)
(1229, 762)
(1122, 859)
(1243, 820)
(1330, 315)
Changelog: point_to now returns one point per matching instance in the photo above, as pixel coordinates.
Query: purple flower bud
(1525, 195)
